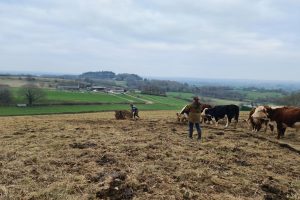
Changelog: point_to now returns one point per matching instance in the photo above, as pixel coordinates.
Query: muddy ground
(94, 156)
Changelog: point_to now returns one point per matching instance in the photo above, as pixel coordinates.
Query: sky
(232, 39)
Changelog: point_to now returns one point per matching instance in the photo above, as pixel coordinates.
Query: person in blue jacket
(134, 111)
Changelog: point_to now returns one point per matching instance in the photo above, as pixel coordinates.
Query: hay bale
(123, 114)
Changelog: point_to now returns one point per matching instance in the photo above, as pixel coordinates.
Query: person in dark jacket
(194, 110)
(134, 111)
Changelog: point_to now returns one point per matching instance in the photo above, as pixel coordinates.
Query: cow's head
(207, 112)
(178, 116)
(260, 112)
(270, 111)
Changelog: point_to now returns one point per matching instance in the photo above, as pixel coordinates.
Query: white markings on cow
(227, 122)
(260, 112)
(203, 112)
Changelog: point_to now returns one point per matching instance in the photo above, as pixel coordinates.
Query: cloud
(132, 36)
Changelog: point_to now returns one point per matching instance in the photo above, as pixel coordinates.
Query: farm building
(68, 87)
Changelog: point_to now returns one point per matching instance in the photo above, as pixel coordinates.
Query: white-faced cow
(256, 120)
(219, 112)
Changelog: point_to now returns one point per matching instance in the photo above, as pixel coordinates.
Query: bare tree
(5, 95)
(31, 93)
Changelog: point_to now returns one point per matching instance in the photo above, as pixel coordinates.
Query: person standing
(194, 110)
(134, 111)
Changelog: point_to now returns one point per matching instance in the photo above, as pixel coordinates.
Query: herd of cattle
(282, 116)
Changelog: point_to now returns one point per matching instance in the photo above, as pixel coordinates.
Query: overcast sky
(253, 39)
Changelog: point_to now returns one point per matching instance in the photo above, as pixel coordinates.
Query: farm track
(94, 156)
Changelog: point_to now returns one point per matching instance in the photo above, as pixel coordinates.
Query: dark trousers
(191, 129)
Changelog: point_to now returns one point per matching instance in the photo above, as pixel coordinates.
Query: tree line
(289, 100)
(29, 93)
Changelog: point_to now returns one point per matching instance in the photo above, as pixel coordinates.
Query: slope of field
(61, 96)
(57, 102)
(94, 156)
(210, 100)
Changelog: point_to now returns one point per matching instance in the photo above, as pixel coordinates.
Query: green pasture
(254, 95)
(57, 96)
(181, 95)
(109, 102)
(60, 109)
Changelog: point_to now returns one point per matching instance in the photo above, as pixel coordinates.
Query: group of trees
(29, 93)
(289, 100)
(5, 95)
(98, 75)
(110, 75)
(159, 86)
(133, 81)
(219, 92)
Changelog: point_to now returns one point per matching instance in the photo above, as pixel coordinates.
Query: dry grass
(90, 156)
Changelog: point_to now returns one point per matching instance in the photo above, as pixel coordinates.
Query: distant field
(254, 95)
(57, 101)
(169, 100)
(214, 101)
(181, 95)
(60, 109)
(18, 81)
(110, 102)
(56, 96)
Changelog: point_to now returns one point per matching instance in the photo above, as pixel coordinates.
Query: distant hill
(241, 83)
(98, 75)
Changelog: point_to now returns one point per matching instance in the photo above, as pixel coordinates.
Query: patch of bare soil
(94, 156)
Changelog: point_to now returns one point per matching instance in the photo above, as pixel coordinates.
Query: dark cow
(256, 122)
(284, 117)
(219, 112)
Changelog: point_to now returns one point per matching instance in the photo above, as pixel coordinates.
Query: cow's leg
(283, 131)
(272, 128)
(280, 130)
(227, 122)
(235, 122)
(216, 121)
(266, 126)
(251, 123)
(258, 126)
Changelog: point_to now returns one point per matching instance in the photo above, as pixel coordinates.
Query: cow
(284, 117)
(219, 112)
(182, 116)
(256, 121)
(205, 118)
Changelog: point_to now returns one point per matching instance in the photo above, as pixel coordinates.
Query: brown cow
(284, 117)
